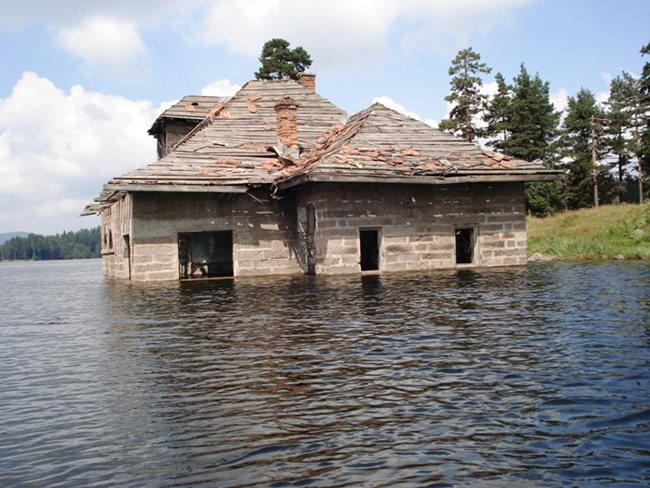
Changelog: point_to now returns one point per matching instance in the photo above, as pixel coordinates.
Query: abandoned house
(278, 180)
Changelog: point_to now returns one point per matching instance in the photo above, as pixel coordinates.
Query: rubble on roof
(235, 145)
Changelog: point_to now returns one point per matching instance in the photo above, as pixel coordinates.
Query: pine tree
(643, 149)
(497, 115)
(622, 122)
(576, 142)
(278, 61)
(522, 123)
(533, 119)
(465, 95)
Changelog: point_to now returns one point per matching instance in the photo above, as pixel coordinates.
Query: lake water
(523, 377)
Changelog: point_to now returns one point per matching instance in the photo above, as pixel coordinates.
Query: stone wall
(317, 226)
(263, 232)
(116, 238)
(416, 224)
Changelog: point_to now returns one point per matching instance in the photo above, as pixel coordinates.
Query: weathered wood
(133, 187)
(231, 148)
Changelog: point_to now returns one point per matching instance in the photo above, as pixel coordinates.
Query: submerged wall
(116, 238)
(316, 228)
(262, 233)
(416, 224)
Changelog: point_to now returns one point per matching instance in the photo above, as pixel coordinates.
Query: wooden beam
(177, 188)
(418, 180)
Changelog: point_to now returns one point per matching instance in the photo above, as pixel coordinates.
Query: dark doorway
(369, 244)
(306, 229)
(465, 241)
(205, 254)
(127, 252)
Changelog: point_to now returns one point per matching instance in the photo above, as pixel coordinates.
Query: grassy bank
(606, 232)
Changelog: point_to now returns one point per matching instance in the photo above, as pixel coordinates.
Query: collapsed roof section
(236, 145)
(381, 145)
(233, 146)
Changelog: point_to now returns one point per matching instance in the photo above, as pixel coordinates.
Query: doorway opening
(465, 244)
(127, 252)
(205, 254)
(369, 246)
(307, 229)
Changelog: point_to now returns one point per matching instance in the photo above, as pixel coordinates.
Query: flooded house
(278, 180)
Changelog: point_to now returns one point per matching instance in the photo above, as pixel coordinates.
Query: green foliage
(498, 117)
(533, 120)
(544, 198)
(81, 244)
(618, 139)
(644, 86)
(278, 61)
(606, 232)
(465, 95)
(576, 144)
(522, 122)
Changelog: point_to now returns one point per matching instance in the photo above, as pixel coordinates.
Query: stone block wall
(115, 238)
(416, 224)
(263, 232)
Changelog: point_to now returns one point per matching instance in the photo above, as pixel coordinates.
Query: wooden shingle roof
(235, 145)
(232, 146)
(191, 107)
(381, 145)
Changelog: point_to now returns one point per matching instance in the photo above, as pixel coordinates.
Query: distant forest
(82, 244)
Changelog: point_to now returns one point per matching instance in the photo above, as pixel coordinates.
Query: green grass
(606, 232)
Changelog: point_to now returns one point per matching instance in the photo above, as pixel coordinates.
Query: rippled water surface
(525, 377)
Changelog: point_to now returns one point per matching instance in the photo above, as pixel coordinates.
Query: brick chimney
(308, 80)
(286, 113)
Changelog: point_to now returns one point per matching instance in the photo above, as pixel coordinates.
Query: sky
(81, 82)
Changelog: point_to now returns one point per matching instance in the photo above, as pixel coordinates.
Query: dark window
(465, 240)
(369, 244)
(205, 254)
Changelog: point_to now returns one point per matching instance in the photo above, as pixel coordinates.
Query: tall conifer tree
(497, 115)
(576, 142)
(621, 123)
(644, 146)
(533, 119)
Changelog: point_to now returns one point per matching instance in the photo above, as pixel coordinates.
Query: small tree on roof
(278, 61)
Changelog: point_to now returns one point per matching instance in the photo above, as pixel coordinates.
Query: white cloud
(398, 107)
(108, 47)
(602, 97)
(559, 99)
(15, 15)
(337, 33)
(220, 88)
(341, 32)
(58, 148)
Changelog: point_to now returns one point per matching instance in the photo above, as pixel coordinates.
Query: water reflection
(534, 376)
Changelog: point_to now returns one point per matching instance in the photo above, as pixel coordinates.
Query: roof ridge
(227, 101)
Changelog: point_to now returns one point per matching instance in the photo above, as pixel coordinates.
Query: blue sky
(82, 81)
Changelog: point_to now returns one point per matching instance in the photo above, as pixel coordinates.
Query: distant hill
(8, 235)
(606, 232)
